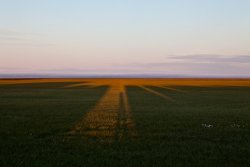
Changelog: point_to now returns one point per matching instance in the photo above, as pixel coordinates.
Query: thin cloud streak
(9, 32)
(9, 36)
(190, 65)
(213, 58)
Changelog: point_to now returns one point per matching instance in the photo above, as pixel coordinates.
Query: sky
(116, 37)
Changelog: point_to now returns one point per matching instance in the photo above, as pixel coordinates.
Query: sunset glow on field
(135, 83)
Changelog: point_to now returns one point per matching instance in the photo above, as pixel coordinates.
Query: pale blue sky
(121, 37)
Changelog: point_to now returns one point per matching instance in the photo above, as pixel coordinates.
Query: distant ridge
(4, 76)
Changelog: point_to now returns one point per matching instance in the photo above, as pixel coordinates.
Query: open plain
(124, 122)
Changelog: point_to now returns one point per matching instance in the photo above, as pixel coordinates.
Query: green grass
(174, 134)
(35, 120)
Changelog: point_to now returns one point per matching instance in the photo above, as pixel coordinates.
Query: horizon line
(167, 76)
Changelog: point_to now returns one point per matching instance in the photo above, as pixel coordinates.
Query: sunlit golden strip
(127, 124)
(129, 121)
(172, 89)
(110, 120)
(77, 85)
(29, 81)
(133, 82)
(101, 122)
(156, 93)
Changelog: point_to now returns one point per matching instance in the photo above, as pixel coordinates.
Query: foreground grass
(35, 119)
(205, 126)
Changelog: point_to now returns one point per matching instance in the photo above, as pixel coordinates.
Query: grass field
(125, 122)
